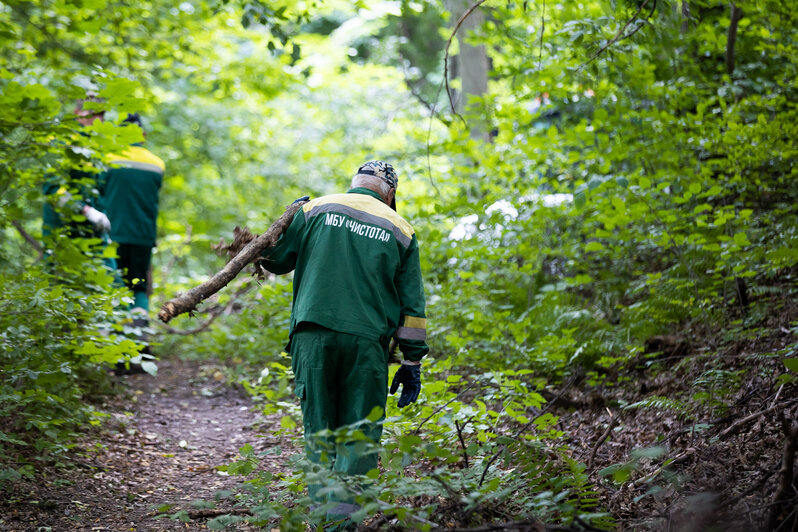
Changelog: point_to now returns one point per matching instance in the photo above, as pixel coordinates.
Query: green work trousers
(340, 378)
(134, 261)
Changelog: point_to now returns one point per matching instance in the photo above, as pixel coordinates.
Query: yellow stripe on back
(137, 154)
(365, 203)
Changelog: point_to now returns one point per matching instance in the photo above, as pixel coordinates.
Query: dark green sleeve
(412, 332)
(58, 200)
(281, 258)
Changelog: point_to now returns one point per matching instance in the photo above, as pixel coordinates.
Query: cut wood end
(167, 312)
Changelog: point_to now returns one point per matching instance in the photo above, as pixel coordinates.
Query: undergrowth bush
(61, 318)
(61, 329)
(474, 449)
(250, 331)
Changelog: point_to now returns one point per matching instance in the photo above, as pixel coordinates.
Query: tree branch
(462, 441)
(685, 16)
(188, 302)
(215, 313)
(620, 35)
(737, 425)
(450, 401)
(542, 29)
(28, 238)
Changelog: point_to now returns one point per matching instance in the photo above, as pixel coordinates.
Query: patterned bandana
(380, 169)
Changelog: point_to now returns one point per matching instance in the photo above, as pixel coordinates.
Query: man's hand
(409, 376)
(97, 218)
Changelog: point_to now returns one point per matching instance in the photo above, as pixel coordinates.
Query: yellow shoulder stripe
(137, 154)
(364, 203)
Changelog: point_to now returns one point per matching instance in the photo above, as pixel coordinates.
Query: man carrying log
(357, 284)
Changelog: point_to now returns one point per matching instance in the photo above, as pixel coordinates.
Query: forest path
(167, 435)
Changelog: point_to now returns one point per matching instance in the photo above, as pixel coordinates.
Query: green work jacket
(356, 270)
(129, 195)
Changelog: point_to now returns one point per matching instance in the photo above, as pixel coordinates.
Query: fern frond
(659, 403)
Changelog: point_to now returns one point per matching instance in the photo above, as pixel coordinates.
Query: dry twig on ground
(611, 425)
(739, 424)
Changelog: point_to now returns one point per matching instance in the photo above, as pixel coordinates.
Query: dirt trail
(166, 438)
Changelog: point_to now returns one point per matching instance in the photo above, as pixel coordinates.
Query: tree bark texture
(188, 301)
(471, 64)
(685, 16)
(731, 38)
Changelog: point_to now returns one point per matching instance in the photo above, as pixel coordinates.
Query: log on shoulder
(188, 301)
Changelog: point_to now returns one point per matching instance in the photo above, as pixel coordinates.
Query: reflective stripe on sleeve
(413, 329)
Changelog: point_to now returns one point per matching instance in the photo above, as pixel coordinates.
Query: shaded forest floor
(715, 413)
(711, 445)
(167, 435)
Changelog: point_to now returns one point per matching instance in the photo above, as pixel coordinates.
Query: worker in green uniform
(71, 204)
(357, 284)
(130, 189)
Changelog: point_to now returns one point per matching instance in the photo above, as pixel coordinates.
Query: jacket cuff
(413, 350)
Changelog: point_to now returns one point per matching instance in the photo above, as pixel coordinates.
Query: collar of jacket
(361, 190)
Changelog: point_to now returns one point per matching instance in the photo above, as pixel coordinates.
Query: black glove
(303, 198)
(410, 377)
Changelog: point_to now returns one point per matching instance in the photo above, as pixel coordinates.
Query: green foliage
(471, 451)
(715, 385)
(633, 184)
(60, 336)
(188, 62)
(62, 317)
(410, 39)
(621, 195)
(659, 403)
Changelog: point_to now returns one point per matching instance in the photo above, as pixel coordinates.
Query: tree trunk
(471, 64)
(735, 15)
(685, 16)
